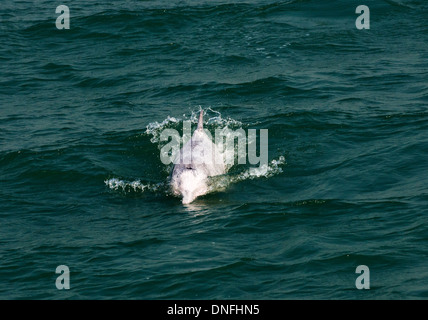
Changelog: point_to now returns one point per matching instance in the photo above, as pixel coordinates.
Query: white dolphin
(197, 160)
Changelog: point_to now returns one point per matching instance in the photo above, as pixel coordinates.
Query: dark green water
(82, 184)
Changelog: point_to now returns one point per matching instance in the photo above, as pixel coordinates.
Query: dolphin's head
(190, 184)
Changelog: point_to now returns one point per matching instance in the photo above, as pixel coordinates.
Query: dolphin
(197, 160)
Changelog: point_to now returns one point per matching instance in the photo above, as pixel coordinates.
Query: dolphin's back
(201, 153)
(198, 159)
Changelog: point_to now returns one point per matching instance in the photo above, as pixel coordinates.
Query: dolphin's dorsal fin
(201, 120)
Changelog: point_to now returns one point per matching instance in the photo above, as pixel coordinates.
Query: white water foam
(137, 185)
(220, 183)
(212, 118)
(269, 170)
(155, 128)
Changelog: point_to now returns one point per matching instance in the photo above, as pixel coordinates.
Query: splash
(156, 128)
(273, 168)
(213, 121)
(265, 171)
(136, 186)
